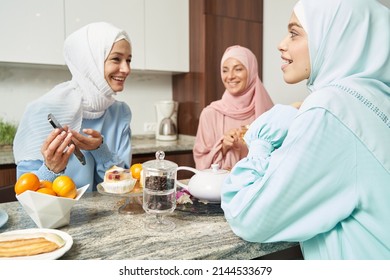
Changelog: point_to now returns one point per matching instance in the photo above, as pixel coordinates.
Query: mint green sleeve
(289, 191)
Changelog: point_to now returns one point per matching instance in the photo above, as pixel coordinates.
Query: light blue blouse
(322, 188)
(114, 125)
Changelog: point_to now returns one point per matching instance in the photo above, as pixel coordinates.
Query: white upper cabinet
(32, 31)
(167, 35)
(125, 14)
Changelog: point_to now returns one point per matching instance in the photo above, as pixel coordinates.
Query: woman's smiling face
(234, 76)
(117, 65)
(295, 53)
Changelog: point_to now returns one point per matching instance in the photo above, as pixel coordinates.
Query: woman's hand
(296, 105)
(56, 150)
(90, 142)
(230, 139)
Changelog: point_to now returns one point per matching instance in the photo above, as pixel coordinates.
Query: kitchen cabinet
(158, 30)
(7, 182)
(214, 26)
(126, 14)
(32, 31)
(167, 35)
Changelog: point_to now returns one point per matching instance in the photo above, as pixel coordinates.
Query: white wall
(276, 16)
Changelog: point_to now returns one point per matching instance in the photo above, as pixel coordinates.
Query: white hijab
(87, 95)
(349, 45)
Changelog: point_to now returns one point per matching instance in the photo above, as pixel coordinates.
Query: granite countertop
(99, 231)
(145, 144)
(141, 144)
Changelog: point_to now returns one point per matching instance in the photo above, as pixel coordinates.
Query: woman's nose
(230, 74)
(282, 46)
(125, 67)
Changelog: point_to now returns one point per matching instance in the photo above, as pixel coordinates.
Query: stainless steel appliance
(166, 129)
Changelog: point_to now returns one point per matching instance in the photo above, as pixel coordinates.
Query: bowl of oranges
(48, 203)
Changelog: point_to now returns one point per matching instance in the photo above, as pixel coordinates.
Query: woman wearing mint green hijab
(320, 175)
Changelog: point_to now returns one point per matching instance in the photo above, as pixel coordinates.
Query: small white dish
(3, 217)
(47, 256)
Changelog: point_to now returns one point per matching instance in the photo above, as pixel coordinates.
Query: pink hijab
(255, 97)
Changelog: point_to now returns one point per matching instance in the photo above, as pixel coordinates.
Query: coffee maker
(166, 129)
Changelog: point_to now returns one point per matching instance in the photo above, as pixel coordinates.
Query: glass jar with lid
(159, 191)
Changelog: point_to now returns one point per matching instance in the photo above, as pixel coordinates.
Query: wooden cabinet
(7, 182)
(35, 33)
(214, 26)
(32, 31)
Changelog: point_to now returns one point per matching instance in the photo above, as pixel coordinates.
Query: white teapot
(205, 184)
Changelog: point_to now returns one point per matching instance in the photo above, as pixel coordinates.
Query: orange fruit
(46, 184)
(135, 170)
(65, 187)
(47, 191)
(27, 181)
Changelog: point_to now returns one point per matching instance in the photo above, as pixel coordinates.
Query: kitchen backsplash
(21, 84)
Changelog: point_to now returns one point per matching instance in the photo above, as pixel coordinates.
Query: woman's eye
(293, 34)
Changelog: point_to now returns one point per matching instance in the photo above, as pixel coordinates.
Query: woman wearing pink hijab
(218, 139)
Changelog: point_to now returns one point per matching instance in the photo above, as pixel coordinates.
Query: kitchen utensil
(205, 184)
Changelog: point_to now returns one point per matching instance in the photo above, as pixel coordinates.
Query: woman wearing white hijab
(98, 57)
(320, 175)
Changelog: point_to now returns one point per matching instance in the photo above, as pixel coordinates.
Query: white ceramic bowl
(48, 211)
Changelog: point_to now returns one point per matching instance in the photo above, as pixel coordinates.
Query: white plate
(47, 256)
(3, 217)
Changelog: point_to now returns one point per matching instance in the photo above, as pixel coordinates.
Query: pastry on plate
(29, 244)
(118, 180)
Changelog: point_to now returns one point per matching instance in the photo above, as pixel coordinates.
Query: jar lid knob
(160, 155)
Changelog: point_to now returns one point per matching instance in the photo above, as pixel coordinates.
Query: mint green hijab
(349, 45)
